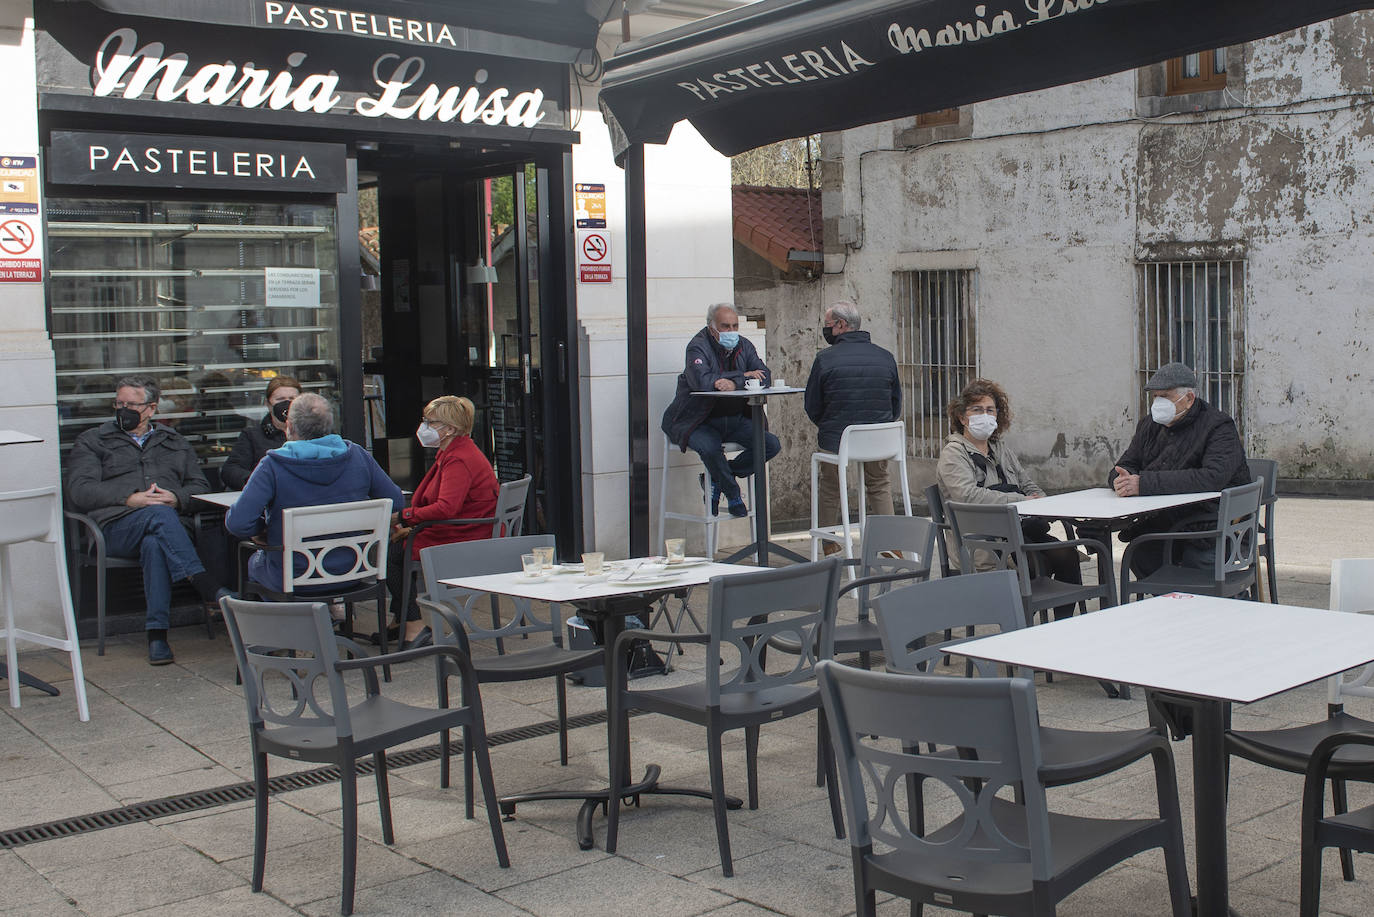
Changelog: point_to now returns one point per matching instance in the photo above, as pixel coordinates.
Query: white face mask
(981, 426)
(1163, 411)
(428, 436)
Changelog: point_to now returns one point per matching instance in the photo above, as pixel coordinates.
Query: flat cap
(1171, 375)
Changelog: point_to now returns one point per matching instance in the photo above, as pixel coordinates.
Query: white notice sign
(292, 287)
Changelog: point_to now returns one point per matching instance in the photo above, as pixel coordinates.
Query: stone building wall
(1055, 197)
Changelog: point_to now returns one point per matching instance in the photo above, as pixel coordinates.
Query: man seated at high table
(135, 479)
(719, 359)
(1185, 446)
(314, 467)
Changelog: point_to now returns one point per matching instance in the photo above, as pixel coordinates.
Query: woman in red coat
(459, 485)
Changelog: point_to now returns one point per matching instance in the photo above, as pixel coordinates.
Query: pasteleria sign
(769, 71)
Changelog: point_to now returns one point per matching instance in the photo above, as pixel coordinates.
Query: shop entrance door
(465, 256)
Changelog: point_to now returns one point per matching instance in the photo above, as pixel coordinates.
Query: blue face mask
(729, 339)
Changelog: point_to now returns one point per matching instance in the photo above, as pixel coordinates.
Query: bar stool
(36, 515)
(860, 442)
(705, 517)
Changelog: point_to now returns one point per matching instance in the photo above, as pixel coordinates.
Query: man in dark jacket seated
(718, 358)
(256, 439)
(1184, 446)
(316, 466)
(852, 381)
(136, 478)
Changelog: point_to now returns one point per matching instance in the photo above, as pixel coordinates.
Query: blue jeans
(155, 535)
(713, 431)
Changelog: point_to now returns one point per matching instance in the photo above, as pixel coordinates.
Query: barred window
(1193, 312)
(936, 349)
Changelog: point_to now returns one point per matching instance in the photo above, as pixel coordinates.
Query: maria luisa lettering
(124, 69)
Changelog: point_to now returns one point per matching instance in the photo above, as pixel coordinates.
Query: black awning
(785, 68)
(547, 30)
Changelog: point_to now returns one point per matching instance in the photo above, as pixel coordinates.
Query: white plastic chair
(704, 517)
(36, 515)
(359, 532)
(868, 442)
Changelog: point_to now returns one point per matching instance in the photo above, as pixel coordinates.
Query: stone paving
(181, 728)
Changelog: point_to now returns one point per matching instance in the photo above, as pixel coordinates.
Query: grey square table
(1203, 652)
(610, 604)
(757, 398)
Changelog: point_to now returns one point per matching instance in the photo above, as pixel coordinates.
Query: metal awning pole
(637, 350)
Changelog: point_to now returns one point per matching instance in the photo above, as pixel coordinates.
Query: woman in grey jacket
(977, 467)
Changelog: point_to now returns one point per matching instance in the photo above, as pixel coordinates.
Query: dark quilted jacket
(852, 381)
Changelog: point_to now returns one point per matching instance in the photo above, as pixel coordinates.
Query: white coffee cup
(752, 385)
(778, 383)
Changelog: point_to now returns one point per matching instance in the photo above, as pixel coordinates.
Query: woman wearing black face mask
(256, 439)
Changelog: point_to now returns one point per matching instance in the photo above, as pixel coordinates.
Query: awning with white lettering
(547, 30)
(786, 68)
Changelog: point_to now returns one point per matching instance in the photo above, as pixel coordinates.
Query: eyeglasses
(131, 404)
(979, 409)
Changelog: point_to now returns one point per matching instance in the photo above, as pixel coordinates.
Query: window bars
(935, 313)
(1193, 312)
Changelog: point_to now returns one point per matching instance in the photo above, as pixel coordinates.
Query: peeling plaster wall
(1056, 195)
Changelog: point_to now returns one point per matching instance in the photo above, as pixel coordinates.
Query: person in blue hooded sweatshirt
(315, 466)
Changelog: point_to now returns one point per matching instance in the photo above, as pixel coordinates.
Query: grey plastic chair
(1234, 566)
(996, 528)
(908, 618)
(292, 718)
(86, 548)
(453, 623)
(1346, 830)
(746, 611)
(507, 521)
(1293, 748)
(936, 501)
(913, 538)
(1267, 471)
(995, 856)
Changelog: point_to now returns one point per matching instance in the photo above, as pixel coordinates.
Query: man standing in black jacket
(719, 359)
(1185, 446)
(853, 381)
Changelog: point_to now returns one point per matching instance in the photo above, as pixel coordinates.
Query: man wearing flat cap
(1185, 446)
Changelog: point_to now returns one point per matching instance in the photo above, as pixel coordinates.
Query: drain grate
(285, 783)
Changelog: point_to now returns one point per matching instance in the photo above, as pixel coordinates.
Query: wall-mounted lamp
(369, 282)
(480, 272)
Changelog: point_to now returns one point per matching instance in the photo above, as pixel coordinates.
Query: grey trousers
(877, 493)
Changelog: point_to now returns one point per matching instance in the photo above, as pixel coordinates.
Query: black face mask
(828, 334)
(128, 419)
(279, 410)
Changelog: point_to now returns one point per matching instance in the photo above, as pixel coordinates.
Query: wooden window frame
(939, 118)
(1207, 80)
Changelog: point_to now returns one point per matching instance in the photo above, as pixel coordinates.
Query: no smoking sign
(593, 256)
(16, 237)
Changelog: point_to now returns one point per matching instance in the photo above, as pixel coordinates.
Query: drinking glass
(592, 563)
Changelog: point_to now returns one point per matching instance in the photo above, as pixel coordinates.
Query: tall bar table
(760, 546)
